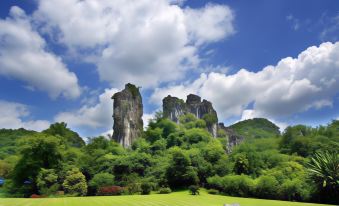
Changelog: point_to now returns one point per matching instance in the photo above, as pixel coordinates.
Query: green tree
(75, 183)
(37, 151)
(180, 171)
(102, 180)
(70, 137)
(47, 181)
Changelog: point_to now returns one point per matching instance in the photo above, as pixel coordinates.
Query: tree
(180, 171)
(47, 181)
(102, 180)
(75, 183)
(70, 137)
(37, 151)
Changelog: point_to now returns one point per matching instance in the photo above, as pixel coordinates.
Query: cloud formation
(146, 42)
(12, 116)
(23, 56)
(94, 116)
(293, 85)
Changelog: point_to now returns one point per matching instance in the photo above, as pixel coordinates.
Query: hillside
(8, 138)
(256, 128)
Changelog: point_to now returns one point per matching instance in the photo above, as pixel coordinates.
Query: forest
(299, 164)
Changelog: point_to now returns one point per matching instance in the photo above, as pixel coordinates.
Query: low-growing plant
(194, 189)
(213, 191)
(110, 190)
(146, 188)
(165, 190)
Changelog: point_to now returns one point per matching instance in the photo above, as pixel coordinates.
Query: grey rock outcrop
(127, 115)
(233, 139)
(174, 107)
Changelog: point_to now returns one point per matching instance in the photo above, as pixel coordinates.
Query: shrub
(47, 181)
(75, 183)
(35, 196)
(213, 191)
(134, 188)
(295, 190)
(234, 185)
(267, 187)
(194, 189)
(146, 188)
(102, 180)
(165, 190)
(110, 190)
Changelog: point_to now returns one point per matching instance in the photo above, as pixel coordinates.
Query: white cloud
(294, 85)
(93, 116)
(23, 56)
(146, 118)
(145, 42)
(209, 24)
(12, 116)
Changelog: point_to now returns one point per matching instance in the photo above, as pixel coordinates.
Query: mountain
(256, 128)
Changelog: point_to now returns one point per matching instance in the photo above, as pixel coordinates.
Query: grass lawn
(173, 199)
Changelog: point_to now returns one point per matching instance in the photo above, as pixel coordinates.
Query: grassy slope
(256, 128)
(174, 199)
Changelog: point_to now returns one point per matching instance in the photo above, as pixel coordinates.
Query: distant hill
(256, 128)
(8, 138)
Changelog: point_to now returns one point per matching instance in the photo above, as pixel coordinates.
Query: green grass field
(173, 199)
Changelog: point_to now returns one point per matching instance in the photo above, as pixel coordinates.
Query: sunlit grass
(174, 199)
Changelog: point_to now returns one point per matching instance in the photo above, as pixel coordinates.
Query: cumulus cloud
(293, 85)
(12, 116)
(23, 56)
(93, 116)
(209, 24)
(146, 42)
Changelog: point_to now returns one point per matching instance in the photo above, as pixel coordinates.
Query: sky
(62, 60)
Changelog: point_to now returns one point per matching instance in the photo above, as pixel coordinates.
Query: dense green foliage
(68, 136)
(256, 128)
(172, 156)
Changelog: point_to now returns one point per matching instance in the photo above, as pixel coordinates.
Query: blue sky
(62, 60)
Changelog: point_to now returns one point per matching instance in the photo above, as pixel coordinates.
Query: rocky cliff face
(127, 115)
(233, 139)
(174, 107)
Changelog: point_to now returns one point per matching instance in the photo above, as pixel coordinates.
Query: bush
(295, 190)
(110, 190)
(75, 183)
(165, 190)
(213, 191)
(102, 180)
(234, 185)
(133, 188)
(146, 188)
(35, 196)
(47, 181)
(194, 189)
(267, 187)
